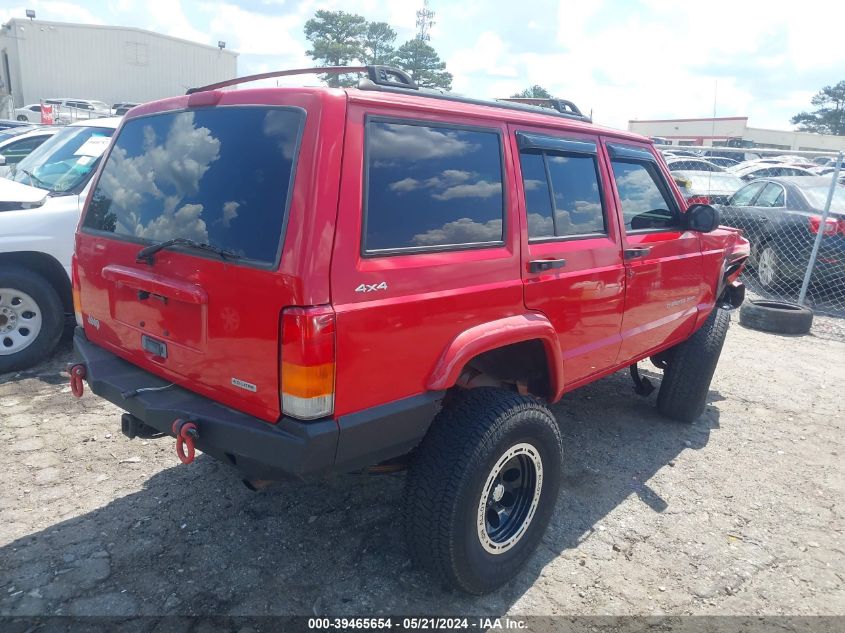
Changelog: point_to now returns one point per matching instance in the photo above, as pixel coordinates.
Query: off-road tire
(447, 477)
(686, 381)
(52, 317)
(778, 317)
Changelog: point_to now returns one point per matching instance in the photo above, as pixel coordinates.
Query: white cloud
(480, 189)
(55, 11)
(462, 231)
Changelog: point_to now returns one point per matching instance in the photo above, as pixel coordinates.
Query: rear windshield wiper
(146, 253)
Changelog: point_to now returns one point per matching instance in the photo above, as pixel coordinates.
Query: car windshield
(99, 105)
(65, 161)
(817, 197)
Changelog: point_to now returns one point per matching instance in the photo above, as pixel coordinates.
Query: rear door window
(772, 196)
(562, 194)
(220, 176)
(745, 196)
(430, 186)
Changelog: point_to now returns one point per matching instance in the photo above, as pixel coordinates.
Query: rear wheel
(769, 268)
(482, 488)
(22, 117)
(691, 365)
(31, 318)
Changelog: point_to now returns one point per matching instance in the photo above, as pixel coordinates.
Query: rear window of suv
(431, 187)
(220, 176)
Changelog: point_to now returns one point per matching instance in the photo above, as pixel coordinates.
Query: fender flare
(494, 334)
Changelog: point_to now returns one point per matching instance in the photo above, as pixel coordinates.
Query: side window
(431, 186)
(575, 186)
(15, 152)
(562, 196)
(645, 202)
(538, 198)
(744, 196)
(772, 196)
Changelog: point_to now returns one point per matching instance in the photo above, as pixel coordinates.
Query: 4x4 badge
(371, 287)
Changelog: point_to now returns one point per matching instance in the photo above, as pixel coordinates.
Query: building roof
(26, 23)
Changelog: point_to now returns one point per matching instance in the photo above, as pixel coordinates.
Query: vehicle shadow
(195, 541)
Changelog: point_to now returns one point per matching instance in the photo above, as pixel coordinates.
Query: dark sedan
(781, 218)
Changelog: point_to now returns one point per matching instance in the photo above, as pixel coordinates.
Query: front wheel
(22, 117)
(31, 318)
(690, 368)
(482, 488)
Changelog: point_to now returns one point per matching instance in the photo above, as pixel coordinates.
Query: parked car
(703, 187)
(13, 149)
(8, 132)
(30, 113)
(781, 218)
(40, 202)
(721, 161)
(691, 164)
(756, 169)
(119, 109)
(6, 124)
(68, 110)
(794, 161)
(422, 295)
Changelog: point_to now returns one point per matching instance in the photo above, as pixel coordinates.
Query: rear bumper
(259, 450)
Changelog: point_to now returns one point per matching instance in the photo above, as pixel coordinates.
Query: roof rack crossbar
(389, 79)
(380, 75)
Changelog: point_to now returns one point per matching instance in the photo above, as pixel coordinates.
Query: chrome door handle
(542, 265)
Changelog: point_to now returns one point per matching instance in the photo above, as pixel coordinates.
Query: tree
(336, 40)
(829, 116)
(534, 92)
(378, 43)
(422, 62)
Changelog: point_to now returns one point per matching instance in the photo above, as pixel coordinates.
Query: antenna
(425, 20)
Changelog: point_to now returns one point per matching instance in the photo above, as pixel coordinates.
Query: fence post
(802, 296)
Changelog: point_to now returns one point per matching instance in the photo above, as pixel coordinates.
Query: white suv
(40, 204)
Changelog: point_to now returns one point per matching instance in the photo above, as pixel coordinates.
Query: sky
(622, 59)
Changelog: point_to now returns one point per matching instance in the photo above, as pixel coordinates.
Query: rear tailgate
(222, 176)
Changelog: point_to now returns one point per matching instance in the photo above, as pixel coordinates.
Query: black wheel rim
(510, 498)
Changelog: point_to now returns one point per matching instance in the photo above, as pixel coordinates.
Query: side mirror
(2, 160)
(702, 218)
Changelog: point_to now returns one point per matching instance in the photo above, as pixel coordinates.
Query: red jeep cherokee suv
(300, 281)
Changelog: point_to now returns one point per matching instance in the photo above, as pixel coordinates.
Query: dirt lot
(740, 513)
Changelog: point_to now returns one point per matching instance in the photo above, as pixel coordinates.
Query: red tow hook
(186, 434)
(77, 374)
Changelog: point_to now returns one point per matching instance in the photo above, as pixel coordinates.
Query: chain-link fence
(790, 206)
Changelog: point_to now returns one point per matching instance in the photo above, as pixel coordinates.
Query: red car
(299, 281)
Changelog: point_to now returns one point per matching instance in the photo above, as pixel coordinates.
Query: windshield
(817, 196)
(99, 105)
(218, 176)
(65, 161)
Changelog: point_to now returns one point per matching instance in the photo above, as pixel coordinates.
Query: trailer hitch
(187, 434)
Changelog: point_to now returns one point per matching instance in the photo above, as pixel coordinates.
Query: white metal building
(42, 60)
(720, 130)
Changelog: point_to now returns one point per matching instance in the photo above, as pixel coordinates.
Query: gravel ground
(739, 513)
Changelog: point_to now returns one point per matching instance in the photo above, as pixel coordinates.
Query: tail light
(74, 280)
(307, 369)
(698, 200)
(831, 227)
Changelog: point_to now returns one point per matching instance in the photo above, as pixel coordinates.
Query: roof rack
(389, 79)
